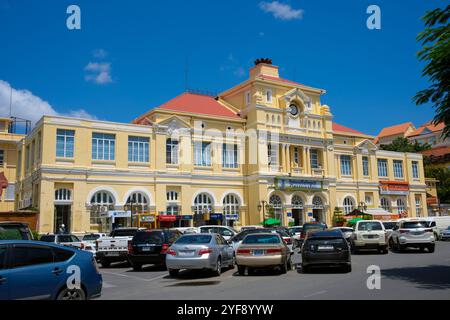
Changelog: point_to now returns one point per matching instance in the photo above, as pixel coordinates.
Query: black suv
(150, 247)
(15, 231)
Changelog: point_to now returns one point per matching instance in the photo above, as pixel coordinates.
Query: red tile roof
(340, 128)
(198, 104)
(393, 130)
(271, 78)
(437, 152)
(430, 126)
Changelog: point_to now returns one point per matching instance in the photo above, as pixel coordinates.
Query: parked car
(224, 231)
(150, 247)
(445, 234)
(310, 227)
(39, 270)
(199, 251)
(326, 248)
(263, 250)
(236, 240)
(115, 247)
(389, 226)
(347, 231)
(15, 231)
(369, 234)
(296, 232)
(244, 228)
(412, 233)
(90, 241)
(187, 230)
(286, 236)
(68, 240)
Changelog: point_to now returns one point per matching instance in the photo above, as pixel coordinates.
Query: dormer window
(269, 95)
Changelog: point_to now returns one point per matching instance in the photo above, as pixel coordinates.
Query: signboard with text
(394, 188)
(298, 185)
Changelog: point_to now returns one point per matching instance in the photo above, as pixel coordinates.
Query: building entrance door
(297, 215)
(318, 215)
(63, 216)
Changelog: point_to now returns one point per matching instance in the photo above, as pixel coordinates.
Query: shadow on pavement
(117, 265)
(150, 268)
(434, 277)
(322, 270)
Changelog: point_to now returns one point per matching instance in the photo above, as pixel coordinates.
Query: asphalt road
(410, 275)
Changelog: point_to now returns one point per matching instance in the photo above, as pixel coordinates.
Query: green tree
(436, 53)
(401, 144)
(443, 187)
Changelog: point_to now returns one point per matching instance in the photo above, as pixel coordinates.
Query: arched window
(317, 202)
(349, 205)
(230, 204)
(100, 202)
(137, 198)
(318, 125)
(297, 202)
(172, 196)
(273, 119)
(203, 203)
(63, 195)
(277, 205)
(401, 207)
(385, 205)
(278, 119)
(267, 118)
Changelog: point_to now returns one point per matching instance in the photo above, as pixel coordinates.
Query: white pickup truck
(115, 247)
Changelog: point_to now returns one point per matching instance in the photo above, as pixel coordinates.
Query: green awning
(354, 220)
(271, 222)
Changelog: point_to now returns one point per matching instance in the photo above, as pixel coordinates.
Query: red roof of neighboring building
(430, 126)
(340, 128)
(437, 152)
(393, 130)
(198, 104)
(272, 78)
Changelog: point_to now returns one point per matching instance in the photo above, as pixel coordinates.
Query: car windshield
(156, 237)
(90, 237)
(124, 233)
(307, 227)
(370, 225)
(261, 239)
(389, 225)
(243, 234)
(197, 239)
(48, 238)
(414, 225)
(448, 228)
(295, 230)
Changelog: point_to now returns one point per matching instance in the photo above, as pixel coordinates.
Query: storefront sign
(394, 188)
(289, 214)
(216, 216)
(298, 185)
(232, 216)
(184, 217)
(310, 214)
(117, 214)
(167, 218)
(147, 218)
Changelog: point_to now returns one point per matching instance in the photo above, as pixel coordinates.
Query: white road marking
(134, 277)
(315, 294)
(108, 285)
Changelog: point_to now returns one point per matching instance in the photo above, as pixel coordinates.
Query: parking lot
(408, 275)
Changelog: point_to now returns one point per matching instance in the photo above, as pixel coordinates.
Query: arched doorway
(231, 208)
(101, 202)
(203, 206)
(137, 203)
(297, 210)
(318, 209)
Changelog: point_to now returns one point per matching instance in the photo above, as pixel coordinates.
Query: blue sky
(130, 56)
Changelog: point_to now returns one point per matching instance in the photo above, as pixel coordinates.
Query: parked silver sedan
(199, 252)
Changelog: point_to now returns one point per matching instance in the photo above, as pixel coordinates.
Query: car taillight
(404, 231)
(164, 248)
(287, 240)
(204, 251)
(130, 248)
(273, 251)
(171, 252)
(302, 236)
(243, 251)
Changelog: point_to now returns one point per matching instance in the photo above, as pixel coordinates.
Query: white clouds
(281, 11)
(30, 107)
(98, 72)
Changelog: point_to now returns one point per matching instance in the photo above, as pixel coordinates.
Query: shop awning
(381, 214)
(3, 182)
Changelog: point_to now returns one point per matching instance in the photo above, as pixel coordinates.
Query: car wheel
(74, 294)
(173, 272)
(391, 244)
(137, 267)
(305, 269)
(355, 250)
(105, 263)
(218, 269)
(284, 267)
(241, 270)
(431, 248)
(401, 247)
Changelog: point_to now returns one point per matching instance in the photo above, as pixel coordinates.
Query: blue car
(37, 270)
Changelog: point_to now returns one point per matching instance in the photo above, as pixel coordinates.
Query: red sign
(394, 187)
(167, 218)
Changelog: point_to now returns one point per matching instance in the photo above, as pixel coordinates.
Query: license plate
(372, 236)
(146, 249)
(258, 252)
(112, 254)
(186, 253)
(325, 248)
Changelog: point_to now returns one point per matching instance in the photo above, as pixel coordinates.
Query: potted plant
(338, 218)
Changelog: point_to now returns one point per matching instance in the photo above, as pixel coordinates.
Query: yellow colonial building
(267, 146)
